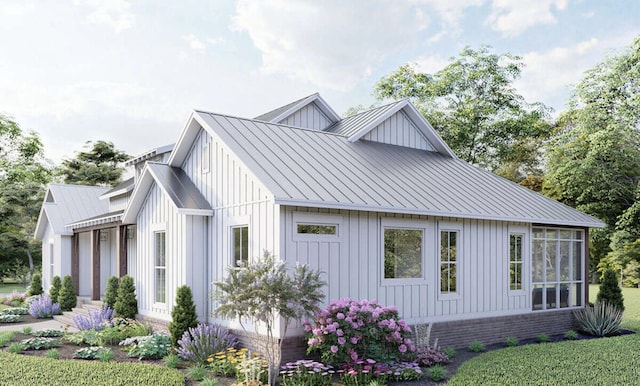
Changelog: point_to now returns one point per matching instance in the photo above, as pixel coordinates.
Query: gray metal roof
(65, 204)
(149, 154)
(122, 188)
(353, 124)
(269, 116)
(104, 218)
(283, 112)
(320, 169)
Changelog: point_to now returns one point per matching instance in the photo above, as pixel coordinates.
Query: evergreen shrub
(54, 291)
(126, 304)
(36, 285)
(67, 296)
(610, 291)
(111, 294)
(183, 315)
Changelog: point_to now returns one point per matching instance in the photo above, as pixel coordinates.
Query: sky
(131, 72)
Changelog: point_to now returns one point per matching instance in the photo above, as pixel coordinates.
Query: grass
(9, 286)
(606, 361)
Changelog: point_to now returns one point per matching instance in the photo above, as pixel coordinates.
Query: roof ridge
(288, 105)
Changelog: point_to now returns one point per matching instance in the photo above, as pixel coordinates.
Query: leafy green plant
(450, 352)
(10, 318)
(15, 311)
(437, 373)
(225, 362)
(251, 369)
(542, 338)
(210, 382)
(54, 290)
(6, 337)
(602, 319)
(53, 353)
(571, 335)
(48, 333)
(89, 337)
(111, 293)
(154, 346)
(90, 353)
(126, 303)
(110, 336)
(610, 291)
(476, 346)
(16, 348)
(67, 296)
(36, 285)
(183, 315)
(511, 341)
(105, 355)
(131, 327)
(172, 360)
(197, 372)
(40, 343)
(27, 330)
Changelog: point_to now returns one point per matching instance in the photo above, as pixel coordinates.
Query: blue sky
(131, 71)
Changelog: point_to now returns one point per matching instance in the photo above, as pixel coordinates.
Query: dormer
(159, 154)
(119, 195)
(311, 112)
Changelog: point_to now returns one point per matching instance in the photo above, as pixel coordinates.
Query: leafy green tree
(183, 315)
(111, 293)
(100, 165)
(476, 110)
(54, 291)
(610, 291)
(67, 296)
(263, 291)
(36, 285)
(126, 304)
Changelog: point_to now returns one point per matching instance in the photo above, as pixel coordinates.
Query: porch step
(83, 306)
(66, 318)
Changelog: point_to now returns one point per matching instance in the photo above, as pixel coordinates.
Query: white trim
(317, 219)
(450, 226)
(525, 231)
(321, 103)
(236, 222)
(392, 223)
(205, 159)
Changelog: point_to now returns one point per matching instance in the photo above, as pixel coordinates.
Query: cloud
(113, 13)
(330, 44)
(195, 43)
(514, 17)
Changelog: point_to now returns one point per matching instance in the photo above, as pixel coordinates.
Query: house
(376, 201)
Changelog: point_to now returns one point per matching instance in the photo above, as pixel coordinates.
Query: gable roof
(65, 204)
(124, 187)
(283, 112)
(149, 154)
(175, 184)
(322, 169)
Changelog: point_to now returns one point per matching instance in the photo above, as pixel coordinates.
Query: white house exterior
(377, 202)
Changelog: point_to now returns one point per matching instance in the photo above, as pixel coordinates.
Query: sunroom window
(557, 263)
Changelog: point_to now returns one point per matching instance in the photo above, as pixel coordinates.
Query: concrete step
(80, 310)
(66, 318)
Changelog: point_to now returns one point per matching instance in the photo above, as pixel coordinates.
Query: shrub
(602, 319)
(429, 356)
(131, 327)
(16, 348)
(53, 353)
(40, 343)
(610, 291)
(349, 330)
(172, 360)
(36, 285)
(111, 293)
(183, 315)
(437, 373)
(10, 318)
(15, 311)
(450, 352)
(43, 307)
(89, 337)
(126, 303)
(106, 355)
(199, 343)
(571, 335)
(511, 341)
(27, 330)
(476, 346)
(306, 372)
(90, 353)
(197, 372)
(110, 336)
(67, 295)
(542, 338)
(95, 320)
(154, 346)
(48, 333)
(54, 290)
(16, 299)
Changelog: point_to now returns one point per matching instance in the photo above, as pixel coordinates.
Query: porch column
(95, 264)
(585, 269)
(75, 262)
(121, 253)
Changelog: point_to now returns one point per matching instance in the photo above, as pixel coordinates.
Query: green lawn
(607, 361)
(8, 287)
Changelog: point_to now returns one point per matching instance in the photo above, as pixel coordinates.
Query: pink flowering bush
(350, 330)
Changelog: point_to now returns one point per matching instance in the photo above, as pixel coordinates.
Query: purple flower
(334, 349)
(341, 340)
(402, 348)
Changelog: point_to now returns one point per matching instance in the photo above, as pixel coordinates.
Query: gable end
(308, 117)
(399, 130)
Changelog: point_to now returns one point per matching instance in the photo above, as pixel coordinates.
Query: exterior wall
(108, 252)
(48, 247)
(399, 130)
(237, 198)
(309, 117)
(353, 267)
(84, 261)
(119, 202)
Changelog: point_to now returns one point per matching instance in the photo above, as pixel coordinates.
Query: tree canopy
(100, 165)
(475, 108)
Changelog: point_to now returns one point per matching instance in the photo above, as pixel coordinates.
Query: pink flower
(312, 342)
(340, 315)
(339, 332)
(342, 340)
(334, 349)
(354, 340)
(402, 348)
(354, 356)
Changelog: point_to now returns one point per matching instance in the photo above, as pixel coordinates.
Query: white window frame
(421, 225)
(238, 222)
(525, 262)
(206, 158)
(322, 219)
(159, 228)
(449, 226)
(157, 268)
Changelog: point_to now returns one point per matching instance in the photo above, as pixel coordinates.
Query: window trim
(156, 303)
(310, 218)
(206, 158)
(392, 223)
(232, 251)
(449, 226)
(526, 260)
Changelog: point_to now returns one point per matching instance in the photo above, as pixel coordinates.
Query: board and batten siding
(119, 202)
(352, 263)
(399, 130)
(238, 198)
(184, 239)
(309, 117)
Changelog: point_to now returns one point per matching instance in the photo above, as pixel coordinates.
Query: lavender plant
(306, 372)
(43, 307)
(96, 320)
(198, 343)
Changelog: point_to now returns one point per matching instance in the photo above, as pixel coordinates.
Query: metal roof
(65, 204)
(105, 218)
(149, 154)
(353, 124)
(122, 188)
(283, 112)
(320, 169)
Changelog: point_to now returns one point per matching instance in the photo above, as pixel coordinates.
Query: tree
(67, 296)
(126, 304)
(476, 110)
(263, 292)
(183, 315)
(99, 166)
(610, 291)
(111, 293)
(36, 285)
(54, 291)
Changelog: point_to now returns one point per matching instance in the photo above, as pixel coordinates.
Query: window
(160, 267)
(402, 253)
(317, 229)
(557, 263)
(240, 242)
(448, 262)
(515, 261)
(206, 158)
